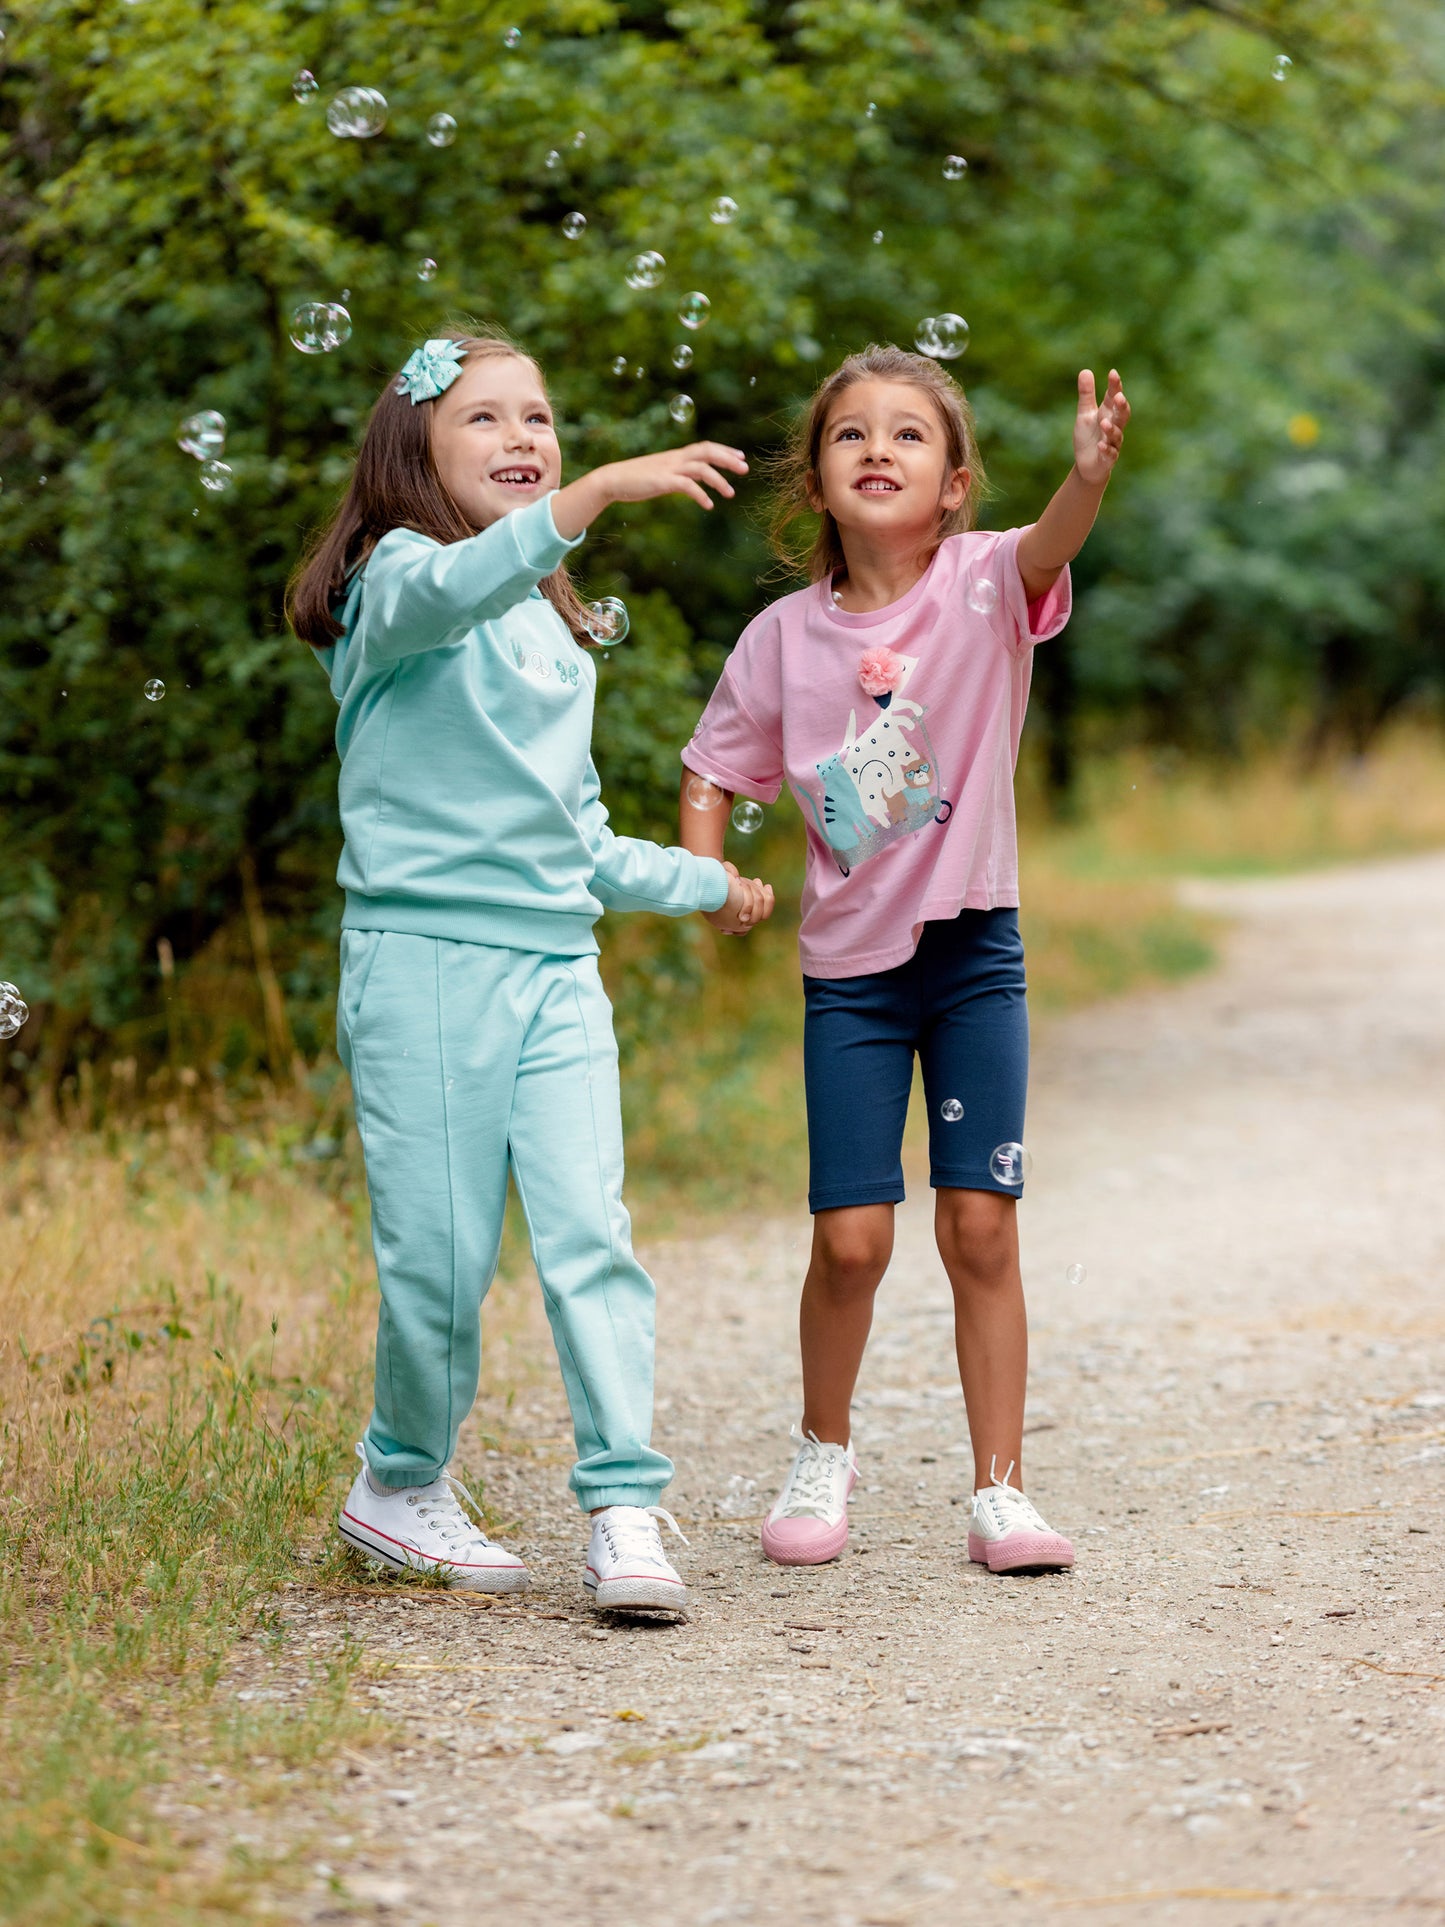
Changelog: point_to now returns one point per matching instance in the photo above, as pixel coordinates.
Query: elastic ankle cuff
(605, 1495)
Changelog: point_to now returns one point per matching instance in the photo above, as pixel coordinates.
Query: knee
(978, 1237)
(850, 1265)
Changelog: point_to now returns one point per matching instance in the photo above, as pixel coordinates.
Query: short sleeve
(738, 744)
(993, 588)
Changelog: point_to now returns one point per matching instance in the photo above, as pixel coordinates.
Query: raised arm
(1046, 549)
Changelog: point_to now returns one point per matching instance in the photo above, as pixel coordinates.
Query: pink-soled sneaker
(1006, 1534)
(808, 1523)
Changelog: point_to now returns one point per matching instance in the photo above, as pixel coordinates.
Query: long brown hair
(795, 471)
(395, 485)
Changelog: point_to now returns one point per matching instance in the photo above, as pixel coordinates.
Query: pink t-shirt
(897, 731)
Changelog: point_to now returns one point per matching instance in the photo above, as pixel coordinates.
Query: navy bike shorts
(959, 1002)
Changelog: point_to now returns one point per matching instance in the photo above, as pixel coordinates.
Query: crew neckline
(870, 618)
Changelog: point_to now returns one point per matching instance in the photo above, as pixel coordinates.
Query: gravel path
(1233, 1710)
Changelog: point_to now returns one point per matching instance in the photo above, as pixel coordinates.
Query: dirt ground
(1233, 1710)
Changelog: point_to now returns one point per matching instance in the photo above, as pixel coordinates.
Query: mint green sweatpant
(467, 1060)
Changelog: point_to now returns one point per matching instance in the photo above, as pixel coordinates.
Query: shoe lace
(631, 1531)
(1008, 1504)
(439, 1504)
(810, 1486)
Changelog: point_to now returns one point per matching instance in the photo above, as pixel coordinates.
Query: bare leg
(978, 1241)
(851, 1249)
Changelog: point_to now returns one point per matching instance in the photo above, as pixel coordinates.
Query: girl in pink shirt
(889, 695)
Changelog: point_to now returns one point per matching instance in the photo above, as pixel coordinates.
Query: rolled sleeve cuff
(701, 764)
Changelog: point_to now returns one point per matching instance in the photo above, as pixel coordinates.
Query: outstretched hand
(749, 902)
(676, 471)
(1099, 427)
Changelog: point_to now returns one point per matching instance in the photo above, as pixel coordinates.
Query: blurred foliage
(1256, 254)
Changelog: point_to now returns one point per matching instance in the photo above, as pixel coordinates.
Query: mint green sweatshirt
(469, 801)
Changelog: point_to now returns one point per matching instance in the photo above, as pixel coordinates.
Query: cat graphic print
(882, 783)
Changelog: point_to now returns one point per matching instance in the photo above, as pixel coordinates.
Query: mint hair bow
(431, 370)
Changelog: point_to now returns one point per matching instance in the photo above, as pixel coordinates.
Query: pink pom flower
(879, 671)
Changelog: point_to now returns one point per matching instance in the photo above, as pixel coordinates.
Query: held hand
(676, 471)
(1099, 427)
(749, 902)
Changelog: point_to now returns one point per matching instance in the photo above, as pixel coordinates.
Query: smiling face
(883, 470)
(493, 439)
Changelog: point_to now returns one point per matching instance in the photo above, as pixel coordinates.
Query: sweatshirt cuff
(714, 892)
(538, 542)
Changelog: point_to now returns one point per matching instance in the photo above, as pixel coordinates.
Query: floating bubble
(319, 326)
(723, 210)
(702, 794)
(155, 690)
(202, 435)
(638, 371)
(574, 225)
(645, 270)
(512, 38)
(954, 167)
(682, 355)
(681, 408)
(619, 364)
(579, 139)
(441, 130)
(1010, 1164)
(1281, 66)
(982, 595)
(1075, 1275)
(305, 86)
(552, 160)
(872, 111)
(877, 237)
(607, 620)
(426, 269)
(950, 1110)
(14, 1011)
(944, 336)
(357, 113)
(747, 816)
(694, 309)
(215, 476)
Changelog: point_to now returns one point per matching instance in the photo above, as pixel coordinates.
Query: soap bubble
(693, 309)
(1281, 67)
(357, 113)
(702, 794)
(877, 237)
(645, 270)
(747, 816)
(215, 476)
(723, 210)
(1075, 1275)
(579, 139)
(638, 371)
(441, 130)
(1010, 1164)
(619, 364)
(872, 112)
(155, 690)
(607, 620)
(681, 408)
(954, 167)
(574, 225)
(682, 355)
(14, 1011)
(982, 595)
(426, 269)
(552, 160)
(943, 336)
(305, 86)
(202, 435)
(950, 1110)
(512, 38)
(319, 326)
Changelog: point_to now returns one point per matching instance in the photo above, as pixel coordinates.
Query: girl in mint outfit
(471, 1015)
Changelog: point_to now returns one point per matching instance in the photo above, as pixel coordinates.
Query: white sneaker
(626, 1566)
(1006, 1533)
(808, 1523)
(423, 1527)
